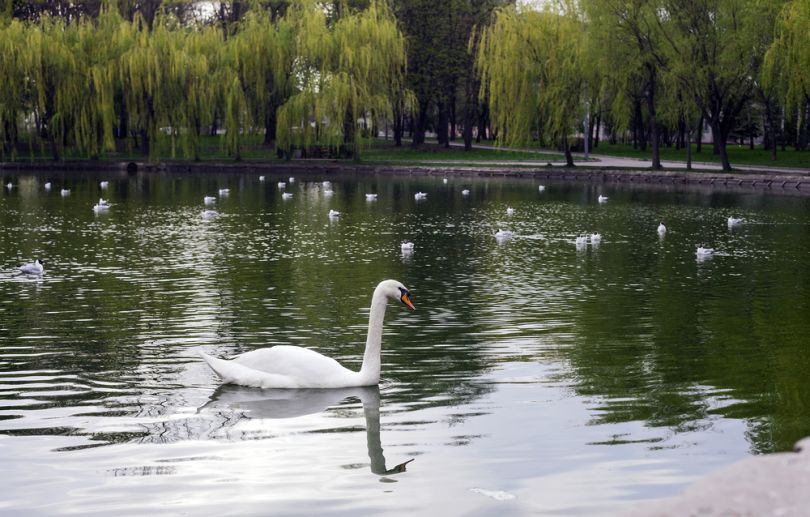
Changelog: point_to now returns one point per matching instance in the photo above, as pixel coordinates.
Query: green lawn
(737, 155)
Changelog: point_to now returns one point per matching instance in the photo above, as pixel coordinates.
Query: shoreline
(792, 182)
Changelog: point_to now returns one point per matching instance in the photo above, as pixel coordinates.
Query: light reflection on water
(534, 377)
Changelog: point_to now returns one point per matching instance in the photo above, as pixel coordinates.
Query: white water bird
(541, 188)
(33, 268)
(288, 366)
(420, 195)
(65, 192)
(734, 221)
(581, 240)
(209, 200)
(371, 197)
(510, 210)
(261, 178)
(224, 191)
(291, 180)
(104, 184)
(9, 185)
(596, 238)
(48, 186)
(334, 214)
(504, 234)
(444, 180)
(328, 192)
(704, 252)
(286, 195)
(101, 206)
(209, 214)
(282, 185)
(661, 229)
(465, 192)
(602, 199)
(326, 184)
(407, 246)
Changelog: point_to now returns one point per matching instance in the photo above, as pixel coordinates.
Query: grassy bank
(737, 155)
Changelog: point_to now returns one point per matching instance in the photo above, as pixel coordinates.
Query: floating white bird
(420, 195)
(281, 184)
(286, 195)
(444, 180)
(287, 366)
(9, 185)
(734, 221)
(33, 268)
(334, 214)
(104, 184)
(541, 188)
(371, 197)
(328, 193)
(326, 183)
(101, 206)
(209, 214)
(65, 192)
(465, 192)
(209, 200)
(596, 238)
(503, 234)
(661, 229)
(224, 191)
(291, 180)
(581, 240)
(510, 210)
(407, 246)
(261, 178)
(602, 199)
(48, 186)
(704, 252)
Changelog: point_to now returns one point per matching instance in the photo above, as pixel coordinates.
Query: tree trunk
(569, 159)
(656, 149)
(270, 127)
(688, 150)
(598, 126)
(719, 135)
(699, 142)
(441, 126)
(483, 122)
(398, 127)
(419, 125)
(453, 118)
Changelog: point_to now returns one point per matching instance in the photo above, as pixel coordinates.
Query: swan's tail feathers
(234, 373)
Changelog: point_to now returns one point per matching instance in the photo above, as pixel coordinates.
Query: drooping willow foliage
(96, 85)
(787, 62)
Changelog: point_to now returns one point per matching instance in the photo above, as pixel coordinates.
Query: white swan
(465, 192)
(602, 199)
(503, 234)
(282, 185)
(65, 192)
(420, 195)
(286, 195)
(104, 184)
(704, 252)
(291, 180)
(209, 214)
(510, 210)
(334, 214)
(48, 186)
(9, 185)
(581, 240)
(661, 229)
(541, 188)
(261, 178)
(328, 192)
(101, 206)
(287, 366)
(407, 246)
(33, 268)
(224, 191)
(371, 197)
(734, 221)
(596, 238)
(326, 184)
(444, 180)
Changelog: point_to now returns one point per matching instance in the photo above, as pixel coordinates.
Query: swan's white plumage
(287, 366)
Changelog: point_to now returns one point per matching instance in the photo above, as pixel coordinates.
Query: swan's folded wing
(234, 373)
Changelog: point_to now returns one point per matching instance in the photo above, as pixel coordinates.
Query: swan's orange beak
(407, 301)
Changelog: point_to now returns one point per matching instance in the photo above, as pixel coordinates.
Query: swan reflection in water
(291, 403)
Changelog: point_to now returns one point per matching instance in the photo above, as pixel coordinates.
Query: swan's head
(396, 291)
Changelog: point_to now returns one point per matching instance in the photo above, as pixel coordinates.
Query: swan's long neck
(370, 371)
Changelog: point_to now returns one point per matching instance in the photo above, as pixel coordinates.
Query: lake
(535, 376)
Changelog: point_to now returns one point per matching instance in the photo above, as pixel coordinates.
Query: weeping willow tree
(786, 69)
(265, 53)
(530, 64)
(348, 71)
(15, 63)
